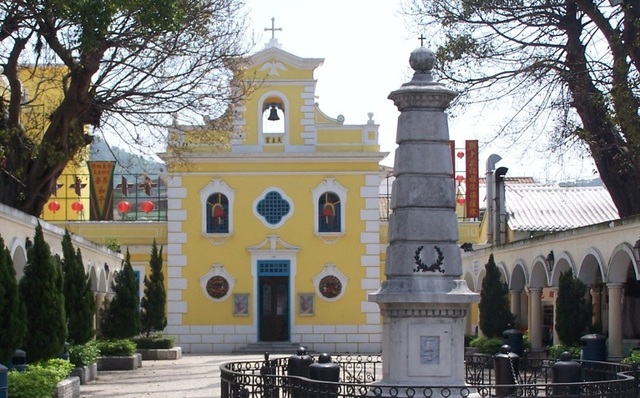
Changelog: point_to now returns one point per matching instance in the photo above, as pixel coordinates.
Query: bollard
(505, 366)
(19, 360)
(268, 382)
(566, 371)
(4, 382)
(325, 370)
(298, 365)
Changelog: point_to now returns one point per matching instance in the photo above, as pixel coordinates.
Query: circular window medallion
(217, 287)
(330, 286)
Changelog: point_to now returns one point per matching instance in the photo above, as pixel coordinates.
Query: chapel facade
(273, 231)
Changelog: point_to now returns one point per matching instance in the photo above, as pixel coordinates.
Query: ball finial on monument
(422, 59)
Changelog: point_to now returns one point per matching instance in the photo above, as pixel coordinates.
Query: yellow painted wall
(297, 231)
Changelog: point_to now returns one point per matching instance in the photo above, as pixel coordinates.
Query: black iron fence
(360, 376)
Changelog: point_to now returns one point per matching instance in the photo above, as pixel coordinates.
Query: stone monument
(423, 301)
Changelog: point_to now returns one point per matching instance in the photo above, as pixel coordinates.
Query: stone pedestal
(423, 301)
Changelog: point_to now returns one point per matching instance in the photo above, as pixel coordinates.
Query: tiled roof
(533, 207)
(511, 180)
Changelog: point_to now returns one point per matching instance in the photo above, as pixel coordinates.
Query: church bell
(273, 113)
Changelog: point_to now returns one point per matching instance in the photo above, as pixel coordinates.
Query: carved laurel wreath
(424, 267)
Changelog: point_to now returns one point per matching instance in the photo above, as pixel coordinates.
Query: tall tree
(495, 316)
(121, 66)
(80, 303)
(41, 291)
(121, 317)
(13, 317)
(574, 63)
(573, 310)
(154, 301)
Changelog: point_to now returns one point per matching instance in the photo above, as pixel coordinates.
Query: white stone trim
(262, 196)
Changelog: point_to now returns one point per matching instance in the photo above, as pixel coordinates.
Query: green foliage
(41, 291)
(557, 349)
(121, 317)
(39, 380)
(495, 316)
(13, 315)
(468, 338)
(573, 311)
(116, 347)
(154, 303)
(84, 42)
(632, 358)
(538, 53)
(486, 345)
(154, 341)
(80, 303)
(112, 244)
(84, 354)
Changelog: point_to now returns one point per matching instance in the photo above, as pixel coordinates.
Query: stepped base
(272, 347)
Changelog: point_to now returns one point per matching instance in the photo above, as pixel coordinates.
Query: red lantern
(124, 207)
(460, 200)
(77, 206)
(460, 154)
(459, 178)
(147, 206)
(54, 206)
(218, 211)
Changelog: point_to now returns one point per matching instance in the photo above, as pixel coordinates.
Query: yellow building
(274, 232)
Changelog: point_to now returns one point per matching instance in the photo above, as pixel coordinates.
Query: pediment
(275, 56)
(273, 243)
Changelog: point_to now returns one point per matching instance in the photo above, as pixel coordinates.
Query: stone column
(423, 300)
(515, 305)
(535, 327)
(99, 300)
(595, 304)
(615, 320)
(556, 339)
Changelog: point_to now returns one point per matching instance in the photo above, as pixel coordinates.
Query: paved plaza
(187, 377)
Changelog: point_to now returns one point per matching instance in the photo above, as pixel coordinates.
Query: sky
(366, 45)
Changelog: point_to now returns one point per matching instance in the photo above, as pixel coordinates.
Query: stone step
(272, 347)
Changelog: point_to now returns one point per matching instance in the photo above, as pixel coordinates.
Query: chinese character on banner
(101, 190)
(473, 185)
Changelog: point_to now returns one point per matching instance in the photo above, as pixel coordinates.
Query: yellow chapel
(273, 234)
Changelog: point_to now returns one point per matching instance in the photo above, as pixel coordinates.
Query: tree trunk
(611, 153)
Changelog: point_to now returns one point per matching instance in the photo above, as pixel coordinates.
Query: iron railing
(360, 376)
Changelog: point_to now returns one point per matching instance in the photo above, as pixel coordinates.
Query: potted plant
(118, 354)
(157, 346)
(84, 358)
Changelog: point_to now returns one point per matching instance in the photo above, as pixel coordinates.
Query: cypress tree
(79, 298)
(154, 302)
(495, 316)
(573, 310)
(121, 317)
(41, 291)
(13, 326)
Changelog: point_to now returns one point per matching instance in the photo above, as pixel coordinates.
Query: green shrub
(557, 349)
(154, 341)
(39, 380)
(487, 345)
(116, 348)
(468, 338)
(634, 357)
(84, 354)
